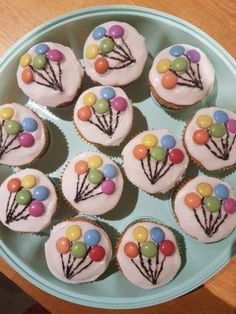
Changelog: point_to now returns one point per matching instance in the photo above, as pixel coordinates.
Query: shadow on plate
(5, 171)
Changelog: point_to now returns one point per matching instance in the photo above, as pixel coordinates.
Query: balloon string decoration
(7, 141)
(12, 212)
(221, 151)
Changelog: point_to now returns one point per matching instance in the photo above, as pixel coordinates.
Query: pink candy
(26, 140)
(229, 205)
(108, 187)
(54, 55)
(231, 125)
(119, 104)
(36, 209)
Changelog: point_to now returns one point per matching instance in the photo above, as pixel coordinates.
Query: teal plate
(25, 252)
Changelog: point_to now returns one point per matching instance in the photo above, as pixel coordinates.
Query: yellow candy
(73, 233)
(204, 121)
(204, 189)
(140, 234)
(149, 140)
(25, 60)
(28, 181)
(6, 113)
(89, 99)
(163, 65)
(94, 161)
(92, 51)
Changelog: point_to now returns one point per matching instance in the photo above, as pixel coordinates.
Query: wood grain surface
(215, 17)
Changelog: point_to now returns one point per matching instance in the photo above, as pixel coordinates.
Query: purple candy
(26, 140)
(108, 187)
(231, 125)
(116, 31)
(54, 55)
(36, 209)
(119, 104)
(194, 56)
(229, 205)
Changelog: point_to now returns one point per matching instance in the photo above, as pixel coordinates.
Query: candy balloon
(73, 233)
(109, 171)
(192, 200)
(217, 130)
(84, 113)
(194, 56)
(12, 127)
(92, 237)
(176, 51)
(179, 64)
(28, 181)
(116, 31)
(167, 248)
(36, 209)
(99, 33)
(40, 193)
(13, 185)
(169, 80)
(101, 106)
(204, 189)
(108, 187)
(204, 121)
(63, 245)
(168, 141)
(176, 156)
(220, 116)
(149, 249)
(212, 204)
(231, 126)
(29, 124)
(89, 99)
(149, 140)
(119, 103)
(95, 176)
(55, 55)
(23, 197)
(107, 45)
(92, 51)
(221, 191)
(6, 113)
(101, 65)
(163, 66)
(78, 249)
(157, 234)
(108, 93)
(27, 76)
(140, 234)
(39, 61)
(94, 161)
(26, 140)
(41, 49)
(200, 137)
(25, 60)
(131, 249)
(81, 167)
(97, 253)
(229, 205)
(158, 153)
(140, 151)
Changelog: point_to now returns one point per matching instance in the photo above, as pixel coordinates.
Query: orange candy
(140, 151)
(192, 200)
(13, 185)
(101, 65)
(63, 245)
(27, 76)
(84, 113)
(131, 249)
(200, 137)
(169, 80)
(81, 167)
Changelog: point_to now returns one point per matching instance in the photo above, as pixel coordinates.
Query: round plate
(24, 252)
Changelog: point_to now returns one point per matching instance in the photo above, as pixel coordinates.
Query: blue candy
(108, 93)
(168, 141)
(176, 51)
(109, 171)
(220, 116)
(92, 237)
(157, 234)
(221, 191)
(41, 49)
(40, 193)
(99, 33)
(29, 124)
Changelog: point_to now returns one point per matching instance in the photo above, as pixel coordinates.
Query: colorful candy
(176, 156)
(157, 235)
(63, 245)
(89, 99)
(169, 80)
(78, 249)
(36, 209)
(149, 140)
(29, 124)
(108, 187)
(92, 237)
(94, 161)
(217, 130)
(26, 140)
(39, 61)
(116, 31)
(200, 137)
(107, 45)
(23, 197)
(108, 93)
(140, 151)
(97, 253)
(140, 234)
(131, 249)
(192, 200)
(73, 232)
(109, 171)
(149, 249)
(158, 153)
(204, 189)
(119, 104)
(101, 106)
(167, 248)
(220, 116)
(101, 65)
(176, 51)
(229, 205)
(204, 121)
(25, 60)
(28, 181)
(55, 55)
(212, 204)
(163, 66)
(84, 113)
(41, 49)
(168, 141)
(12, 127)
(99, 33)
(13, 185)
(81, 167)
(40, 193)
(221, 191)
(92, 51)
(6, 113)
(179, 64)
(95, 176)
(27, 76)
(231, 126)
(193, 55)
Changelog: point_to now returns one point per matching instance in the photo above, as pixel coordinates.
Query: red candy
(176, 156)
(167, 247)
(13, 185)
(97, 253)
(101, 65)
(140, 151)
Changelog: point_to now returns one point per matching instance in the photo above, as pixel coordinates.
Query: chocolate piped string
(140, 270)
(56, 83)
(217, 227)
(150, 268)
(119, 47)
(82, 192)
(141, 260)
(233, 141)
(161, 268)
(144, 170)
(198, 220)
(127, 47)
(112, 58)
(80, 262)
(105, 121)
(121, 66)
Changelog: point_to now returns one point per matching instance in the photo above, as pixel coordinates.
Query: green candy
(106, 45)
(158, 153)
(179, 65)
(95, 176)
(212, 204)
(217, 130)
(39, 61)
(149, 249)
(12, 127)
(101, 106)
(23, 197)
(78, 249)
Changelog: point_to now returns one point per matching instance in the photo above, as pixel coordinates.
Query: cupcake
(23, 136)
(181, 76)
(103, 115)
(28, 201)
(210, 138)
(78, 251)
(147, 254)
(92, 183)
(114, 54)
(50, 74)
(155, 161)
(205, 208)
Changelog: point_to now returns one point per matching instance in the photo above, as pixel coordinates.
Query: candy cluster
(217, 127)
(38, 68)
(108, 48)
(173, 69)
(32, 201)
(79, 246)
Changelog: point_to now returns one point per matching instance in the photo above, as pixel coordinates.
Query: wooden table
(215, 17)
